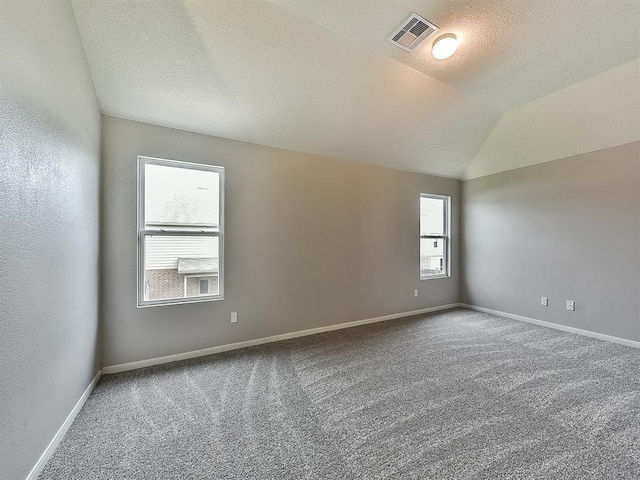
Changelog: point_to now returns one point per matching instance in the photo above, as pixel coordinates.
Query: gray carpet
(453, 395)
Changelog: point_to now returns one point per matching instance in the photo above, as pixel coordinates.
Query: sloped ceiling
(596, 113)
(319, 76)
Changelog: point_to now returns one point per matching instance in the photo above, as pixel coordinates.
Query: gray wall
(49, 172)
(567, 229)
(310, 241)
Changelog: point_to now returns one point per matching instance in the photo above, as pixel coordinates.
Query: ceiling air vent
(412, 33)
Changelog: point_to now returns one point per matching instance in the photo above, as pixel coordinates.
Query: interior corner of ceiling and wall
(599, 112)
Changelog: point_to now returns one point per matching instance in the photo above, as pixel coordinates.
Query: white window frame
(446, 237)
(143, 233)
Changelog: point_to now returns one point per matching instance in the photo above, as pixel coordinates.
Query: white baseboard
(556, 326)
(259, 341)
(46, 455)
(48, 452)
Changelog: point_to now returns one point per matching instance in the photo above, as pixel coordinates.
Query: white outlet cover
(544, 301)
(571, 305)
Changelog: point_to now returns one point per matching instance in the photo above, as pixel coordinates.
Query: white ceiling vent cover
(412, 33)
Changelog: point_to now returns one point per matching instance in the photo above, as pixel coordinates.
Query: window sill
(177, 301)
(432, 277)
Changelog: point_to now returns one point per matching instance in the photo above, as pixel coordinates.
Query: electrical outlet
(571, 305)
(544, 301)
(415, 292)
(234, 317)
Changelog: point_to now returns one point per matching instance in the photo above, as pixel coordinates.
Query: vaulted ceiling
(320, 77)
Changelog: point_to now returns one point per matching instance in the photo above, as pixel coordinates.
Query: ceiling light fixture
(444, 46)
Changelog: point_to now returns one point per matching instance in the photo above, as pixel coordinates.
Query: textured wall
(567, 229)
(310, 241)
(49, 172)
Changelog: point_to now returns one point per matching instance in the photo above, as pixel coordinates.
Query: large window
(180, 232)
(434, 236)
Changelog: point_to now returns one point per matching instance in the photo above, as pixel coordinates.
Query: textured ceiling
(511, 51)
(596, 113)
(319, 77)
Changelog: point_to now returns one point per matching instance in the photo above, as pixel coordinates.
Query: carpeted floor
(452, 395)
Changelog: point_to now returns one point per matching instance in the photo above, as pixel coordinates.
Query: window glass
(434, 235)
(431, 257)
(181, 198)
(431, 216)
(180, 232)
(173, 266)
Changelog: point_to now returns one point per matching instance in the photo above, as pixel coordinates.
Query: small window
(180, 232)
(434, 236)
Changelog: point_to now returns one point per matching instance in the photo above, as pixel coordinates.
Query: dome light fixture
(444, 46)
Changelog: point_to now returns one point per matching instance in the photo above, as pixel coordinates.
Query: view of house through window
(434, 235)
(180, 231)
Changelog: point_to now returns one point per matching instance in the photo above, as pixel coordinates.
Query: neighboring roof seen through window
(181, 197)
